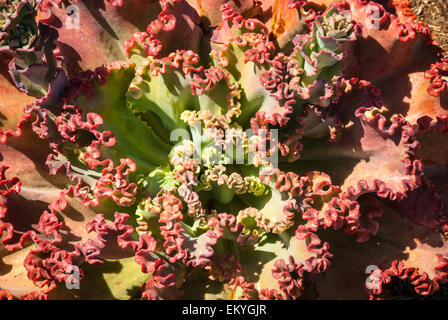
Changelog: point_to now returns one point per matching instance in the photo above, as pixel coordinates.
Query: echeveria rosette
(406, 113)
(31, 44)
(18, 25)
(143, 216)
(68, 124)
(308, 81)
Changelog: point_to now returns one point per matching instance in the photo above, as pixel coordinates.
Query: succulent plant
(186, 149)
